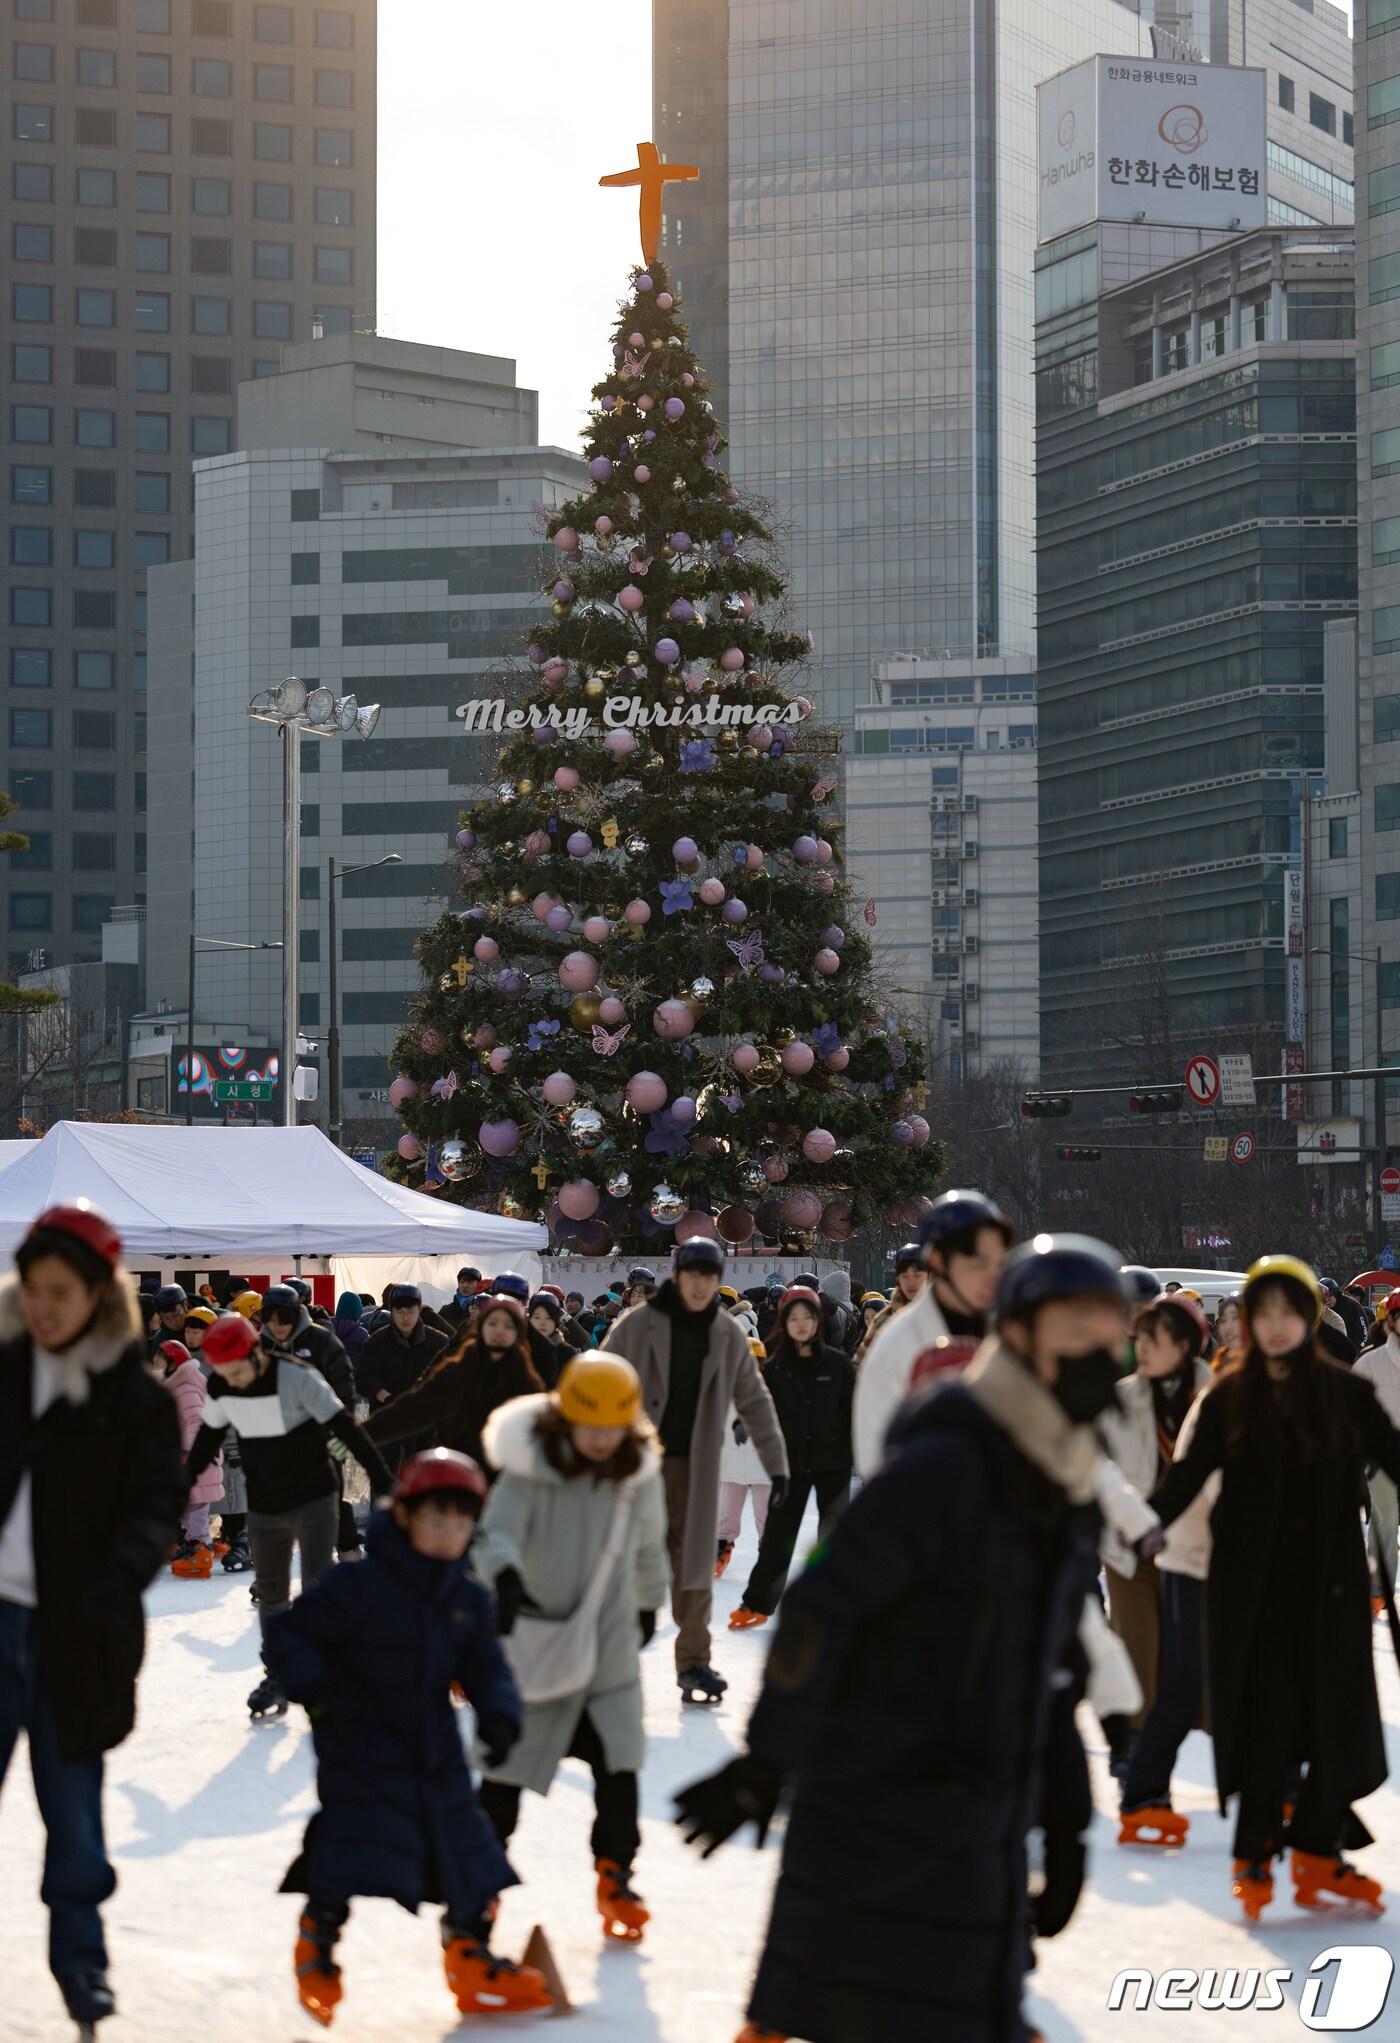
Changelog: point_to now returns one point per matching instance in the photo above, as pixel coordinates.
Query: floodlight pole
(291, 914)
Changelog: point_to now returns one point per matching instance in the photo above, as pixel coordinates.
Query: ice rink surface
(205, 1812)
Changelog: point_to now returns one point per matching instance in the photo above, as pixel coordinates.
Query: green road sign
(254, 1090)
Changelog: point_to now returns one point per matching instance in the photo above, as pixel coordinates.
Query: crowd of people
(1042, 1479)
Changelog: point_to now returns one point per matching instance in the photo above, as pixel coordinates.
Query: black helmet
(1140, 1285)
(510, 1284)
(699, 1253)
(170, 1298)
(962, 1213)
(909, 1256)
(1054, 1266)
(470, 1272)
(399, 1294)
(302, 1289)
(641, 1275)
(280, 1301)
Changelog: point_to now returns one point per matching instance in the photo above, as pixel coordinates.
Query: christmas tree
(657, 1011)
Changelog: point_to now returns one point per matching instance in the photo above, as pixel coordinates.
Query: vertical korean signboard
(1295, 1008)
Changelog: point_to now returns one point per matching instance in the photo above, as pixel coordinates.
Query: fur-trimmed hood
(512, 1444)
(115, 1326)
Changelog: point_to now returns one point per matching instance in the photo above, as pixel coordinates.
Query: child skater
(373, 1651)
(741, 1474)
(576, 1524)
(173, 1365)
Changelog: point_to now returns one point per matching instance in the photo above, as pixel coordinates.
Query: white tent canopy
(217, 1195)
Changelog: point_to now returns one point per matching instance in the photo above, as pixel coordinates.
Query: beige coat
(730, 1376)
(1129, 1433)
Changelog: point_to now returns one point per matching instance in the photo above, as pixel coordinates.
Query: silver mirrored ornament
(505, 793)
(752, 1175)
(452, 1160)
(586, 1127)
(637, 847)
(666, 1205)
(620, 1185)
(702, 989)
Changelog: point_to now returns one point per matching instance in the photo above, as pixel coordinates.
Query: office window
(32, 183)
(306, 631)
(272, 143)
(95, 368)
(97, 67)
(212, 17)
(95, 609)
(30, 363)
(273, 259)
(31, 425)
(263, 367)
(30, 911)
(335, 88)
(1322, 114)
(93, 428)
(306, 570)
(94, 548)
(1383, 102)
(32, 242)
(153, 134)
(306, 509)
(151, 372)
(152, 492)
(210, 436)
(1337, 837)
(31, 667)
(213, 78)
(95, 489)
(335, 146)
(1285, 93)
(33, 123)
(333, 319)
(37, 856)
(151, 311)
(272, 24)
(211, 137)
(211, 255)
(153, 16)
(31, 303)
(97, 13)
(272, 320)
(1388, 806)
(95, 670)
(90, 911)
(29, 485)
(34, 63)
(97, 187)
(96, 308)
(96, 128)
(272, 201)
(138, 611)
(152, 191)
(32, 728)
(272, 82)
(335, 266)
(138, 676)
(31, 606)
(335, 206)
(152, 253)
(94, 791)
(95, 730)
(335, 29)
(209, 315)
(211, 376)
(33, 10)
(210, 195)
(95, 248)
(153, 75)
(1348, 130)
(31, 545)
(94, 851)
(152, 549)
(153, 432)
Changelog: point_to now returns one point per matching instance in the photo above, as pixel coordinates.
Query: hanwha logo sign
(1068, 128)
(1183, 128)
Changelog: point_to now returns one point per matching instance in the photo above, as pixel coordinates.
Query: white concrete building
(942, 829)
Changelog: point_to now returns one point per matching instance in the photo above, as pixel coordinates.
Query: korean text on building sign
(1177, 177)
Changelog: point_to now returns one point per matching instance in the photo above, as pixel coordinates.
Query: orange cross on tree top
(652, 175)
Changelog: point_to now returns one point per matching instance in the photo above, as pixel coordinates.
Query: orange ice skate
(318, 1976)
(1253, 1888)
(1316, 1877)
(484, 1984)
(624, 1914)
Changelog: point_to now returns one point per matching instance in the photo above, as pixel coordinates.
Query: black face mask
(1087, 1385)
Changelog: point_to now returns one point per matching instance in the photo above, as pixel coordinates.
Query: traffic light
(1042, 1106)
(1080, 1155)
(1167, 1101)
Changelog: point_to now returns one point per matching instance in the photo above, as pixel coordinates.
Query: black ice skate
(88, 1997)
(238, 1560)
(701, 1685)
(267, 1700)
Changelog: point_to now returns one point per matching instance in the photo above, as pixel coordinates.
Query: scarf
(1033, 1420)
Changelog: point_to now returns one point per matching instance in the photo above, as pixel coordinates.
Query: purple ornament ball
(674, 408)
(805, 850)
(834, 935)
(771, 974)
(536, 656)
(579, 844)
(644, 283)
(465, 839)
(683, 1111)
(667, 651)
(559, 918)
(600, 468)
(685, 850)
(681, 542)
(499, 1138)
(735, 910)
(510, 982)
(563, 592)
(682, 610)
(902, 1134)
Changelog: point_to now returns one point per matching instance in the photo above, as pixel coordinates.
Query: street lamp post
(317, 713)
(207, 943)
(333, 877)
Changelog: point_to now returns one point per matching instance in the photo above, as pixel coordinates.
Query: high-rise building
(191, 186)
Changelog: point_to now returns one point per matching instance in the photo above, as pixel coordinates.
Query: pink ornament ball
(667, 651)
(401, 1090)
(902, 1134)
(636, 340)
(465, 839)
(559, 918)
(731, 496)
(566, 778)
(732, 660)
(672, 1020)
(630, 597)
(611, 1011)
(645, 403)
(745, 1058)
(499, 1138)
(646, 1092)
(537, 843)
(578, 1199)
(921, 1129)
(802, 1209)
(798, 1059)
(566, 539)
(761, 737)
(805, 850)
(826, 962)
(805, 705)
(602, 526)
(578, 844)
(838, 1059)
(541, 906)
(685, 850)
(559, 1088)
(484, 1038)
(499, 1059)
(600, 468)
(409, 1148)
(825, 883)
(674, 408)
(735, 1224)
(825, 854)
(556, 670)
(712, 892)
(684, 1110)
(775, 1169)
(819, 1145)
(664, 301)
(835, 1222)
(432, 1043)
(641, 473)
(619, 744)
(597, 929)
(735, 910)
(753, 857)
(695, 1226)
(578, 972)
(486, 950)
(638, 913)
(688, 381)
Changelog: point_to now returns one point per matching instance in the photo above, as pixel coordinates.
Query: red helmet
(231, 1339)
(554, 1290)
(501, 1301)
(82, 1220)
(1392, 1303)
(798, 1294)
(1179, 1301)
(174, 1352)
(441, 1468)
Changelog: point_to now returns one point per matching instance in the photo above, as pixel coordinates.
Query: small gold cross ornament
(463, 969)
(540, 1174)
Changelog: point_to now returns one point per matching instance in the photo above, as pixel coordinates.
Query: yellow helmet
(757, 1349)
(1187, 1293)
(249, 1303)
(873, 1298)
(729, 1294)
(1285, 1270)
(201, 1315)
(599, 1390)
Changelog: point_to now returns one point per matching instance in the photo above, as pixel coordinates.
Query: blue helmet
(962, 1213)
(1140, 1285)
(170, 1298)
(509, 1284)
(1057, 1266)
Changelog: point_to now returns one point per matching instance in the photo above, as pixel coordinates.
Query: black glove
(741, 1433)
(647, 1620)
(777, 1493)
(499, 1736)
(1151, 1543)
(1064, 1876)
(709, 1811)
(511, 1598)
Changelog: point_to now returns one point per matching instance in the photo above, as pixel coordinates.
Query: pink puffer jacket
(186, 1386)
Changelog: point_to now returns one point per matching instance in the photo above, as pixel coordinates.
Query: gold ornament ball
(728, 740)
(655, 762)
(447, 982)
(559, 609)
(782, 1037)
(516, 897)
(769, 1068)
(678, 486)
(613, 910)
(510, 847)
(583, 1012)
(510, 1207)
(525, 787)
(594, 689)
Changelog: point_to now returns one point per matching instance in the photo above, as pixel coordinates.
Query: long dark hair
(1298, 1408)
(780, 1344)
(469, 1345)
(555, 1436)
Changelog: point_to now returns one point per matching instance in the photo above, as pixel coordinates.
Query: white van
(1213, 1285)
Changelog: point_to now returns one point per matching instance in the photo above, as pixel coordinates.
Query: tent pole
(291, 914)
